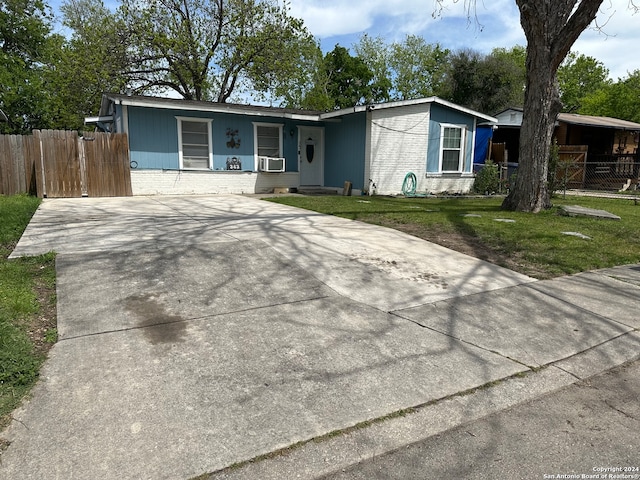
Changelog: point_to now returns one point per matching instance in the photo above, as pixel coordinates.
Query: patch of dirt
(474, 247)
(41, 326)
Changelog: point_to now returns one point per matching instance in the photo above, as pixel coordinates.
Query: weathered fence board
(107, 164)
(60, 163)
(31, 152)
(16, 165)
(57, 163)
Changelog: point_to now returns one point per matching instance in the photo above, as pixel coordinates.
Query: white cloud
(330, 19)
(343, 21)
(326, 18)
(616, 42)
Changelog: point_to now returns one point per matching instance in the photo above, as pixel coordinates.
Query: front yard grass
(534, 244)
(27, 307)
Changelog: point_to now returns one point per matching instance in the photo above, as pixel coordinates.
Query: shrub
(487, 179)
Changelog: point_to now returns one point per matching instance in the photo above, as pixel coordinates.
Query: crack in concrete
(620, 411)
(177, 319)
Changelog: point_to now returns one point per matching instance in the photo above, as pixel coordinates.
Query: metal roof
(602, 122)
(577, 119)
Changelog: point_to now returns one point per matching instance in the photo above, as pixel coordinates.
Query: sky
(498, 25)
(493, 23)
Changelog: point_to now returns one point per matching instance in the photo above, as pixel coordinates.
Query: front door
(311, 155)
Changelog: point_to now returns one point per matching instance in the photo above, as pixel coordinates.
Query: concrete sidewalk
(201, 332)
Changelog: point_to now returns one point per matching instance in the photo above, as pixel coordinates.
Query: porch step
(319, 191)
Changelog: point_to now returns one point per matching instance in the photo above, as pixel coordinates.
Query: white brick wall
(172, 182)
(397, 145)
(450, 184)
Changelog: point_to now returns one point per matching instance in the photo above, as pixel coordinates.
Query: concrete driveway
(199, 332)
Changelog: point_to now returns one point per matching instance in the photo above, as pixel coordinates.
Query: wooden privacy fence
(17, 165)
(58, 163)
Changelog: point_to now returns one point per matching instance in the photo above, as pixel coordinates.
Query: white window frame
(463, 137)
(279, 126)
(208, 121)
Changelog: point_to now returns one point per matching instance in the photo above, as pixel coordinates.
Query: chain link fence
(608, 173)
(578, 170)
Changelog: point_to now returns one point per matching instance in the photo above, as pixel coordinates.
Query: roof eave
(156, 102)
(170, 104)
(598, 122)
(103, 118)
(407, 103)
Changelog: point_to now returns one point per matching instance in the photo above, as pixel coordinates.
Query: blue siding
(153, 138)
(221, 151)
(440, 115)
(244, 126)
(345, 143)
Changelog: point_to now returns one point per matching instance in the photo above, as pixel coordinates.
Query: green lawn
(27, 307)
(534, 244)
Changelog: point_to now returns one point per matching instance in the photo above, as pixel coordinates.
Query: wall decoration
(233, 140)
(310, 149)
(234, 163)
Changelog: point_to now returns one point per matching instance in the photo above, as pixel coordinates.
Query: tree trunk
(551, 28)
(541, 107)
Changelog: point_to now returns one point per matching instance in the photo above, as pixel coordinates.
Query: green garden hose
(409, 185)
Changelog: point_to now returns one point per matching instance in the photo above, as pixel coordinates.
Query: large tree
(486, 83)
(580, 76)
(419, 68)
(508, 68)
(375, 53)
(411, 68)
(210, 49)
(551, 28)
(93, 60)
(345, 81)
(465, 85)
(620, 99)
(25, 31)
(289, 83)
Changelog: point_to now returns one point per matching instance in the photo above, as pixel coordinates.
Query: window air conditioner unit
(270, 164)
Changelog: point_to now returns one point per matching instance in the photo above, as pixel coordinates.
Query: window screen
(195, 145)
(268, 141)
(451, 149)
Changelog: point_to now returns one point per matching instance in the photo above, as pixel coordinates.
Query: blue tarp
(484, 133)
